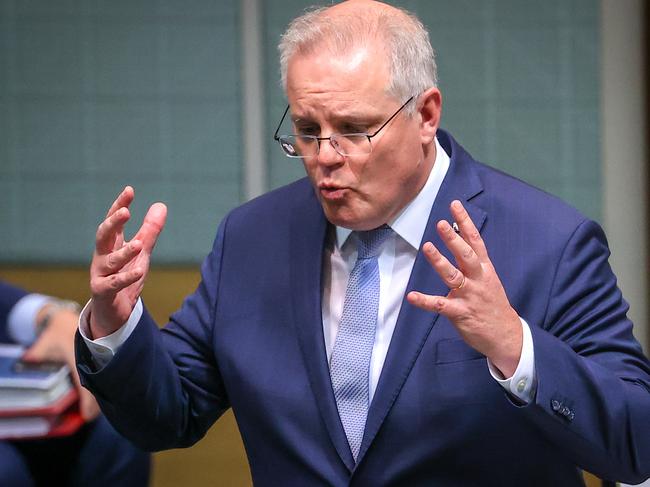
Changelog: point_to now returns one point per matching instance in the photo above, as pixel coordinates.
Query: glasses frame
(276, 137)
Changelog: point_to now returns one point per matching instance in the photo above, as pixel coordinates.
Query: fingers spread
(434, 304)
(109, 230)
(466, 258)
(106, 286)
(115, 261)
(468, 230)
(124, 199)
(452, 277)
(425, 301)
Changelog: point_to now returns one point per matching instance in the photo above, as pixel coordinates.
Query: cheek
(371, 169)
(310, 168)
(391, 175)
(377, 172)
(358, 169)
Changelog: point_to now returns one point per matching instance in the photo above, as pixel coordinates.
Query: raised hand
(119, 268)
(477, 304)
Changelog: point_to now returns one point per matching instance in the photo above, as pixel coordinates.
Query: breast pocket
(462, 374)
(455, 350)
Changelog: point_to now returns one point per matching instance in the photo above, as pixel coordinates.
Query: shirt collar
(412, 220)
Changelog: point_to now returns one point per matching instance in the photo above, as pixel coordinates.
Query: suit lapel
(308, 232)
(413, 324)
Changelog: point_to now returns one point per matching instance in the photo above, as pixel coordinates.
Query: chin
(340, 217)
(352, 213)
(346, 219)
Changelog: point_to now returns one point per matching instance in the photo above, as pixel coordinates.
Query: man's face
(347, 94)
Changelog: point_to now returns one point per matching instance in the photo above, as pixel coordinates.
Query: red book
(60, 418)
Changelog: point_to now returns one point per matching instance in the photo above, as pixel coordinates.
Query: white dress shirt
(395, 263)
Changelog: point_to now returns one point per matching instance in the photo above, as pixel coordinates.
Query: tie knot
(369, 241)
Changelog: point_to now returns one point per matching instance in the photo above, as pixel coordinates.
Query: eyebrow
(346, 117)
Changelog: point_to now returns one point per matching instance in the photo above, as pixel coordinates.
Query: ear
(430, 109)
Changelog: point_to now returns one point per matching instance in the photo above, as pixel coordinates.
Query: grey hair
(412, 63)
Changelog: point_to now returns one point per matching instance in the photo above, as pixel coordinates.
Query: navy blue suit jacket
(9, 296)
(251, 338)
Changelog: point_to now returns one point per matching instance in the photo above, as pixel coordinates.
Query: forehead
(322, 80)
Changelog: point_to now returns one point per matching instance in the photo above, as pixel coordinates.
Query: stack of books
(37, 400)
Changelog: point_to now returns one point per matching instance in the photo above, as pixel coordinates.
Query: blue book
(30, 385)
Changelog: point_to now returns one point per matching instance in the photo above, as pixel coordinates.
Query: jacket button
(555, 405)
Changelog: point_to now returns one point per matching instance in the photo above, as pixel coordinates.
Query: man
(347, 317)
(46, 326)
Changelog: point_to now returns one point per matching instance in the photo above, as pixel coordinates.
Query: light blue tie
(350, 362)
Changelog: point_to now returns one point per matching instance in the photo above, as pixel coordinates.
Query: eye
(354, 128)
(308, 130)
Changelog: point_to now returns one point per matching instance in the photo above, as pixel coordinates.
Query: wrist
(507, 357)
(47, 314)
(98, 326)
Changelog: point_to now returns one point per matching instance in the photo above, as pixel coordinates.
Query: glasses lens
(352, 144)
(298, 146)
(307, 145)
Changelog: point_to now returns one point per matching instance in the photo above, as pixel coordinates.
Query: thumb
(154, 222)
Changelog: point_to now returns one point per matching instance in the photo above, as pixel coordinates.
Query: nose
(327, 154)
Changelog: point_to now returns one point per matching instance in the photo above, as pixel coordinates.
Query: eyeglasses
(296, 145)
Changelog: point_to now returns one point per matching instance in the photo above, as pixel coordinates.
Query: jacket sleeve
(163, 389)
(593, 395)
(9, 296)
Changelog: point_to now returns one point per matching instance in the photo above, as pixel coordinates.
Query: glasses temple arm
(275, 134)
(391, 117)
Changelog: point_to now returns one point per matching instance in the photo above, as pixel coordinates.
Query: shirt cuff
(523, 382)
(21, 321)
(104, 349)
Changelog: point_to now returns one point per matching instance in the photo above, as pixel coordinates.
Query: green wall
(520, 85)
(97, 94)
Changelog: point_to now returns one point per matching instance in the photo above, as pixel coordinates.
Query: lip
(332, 192)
